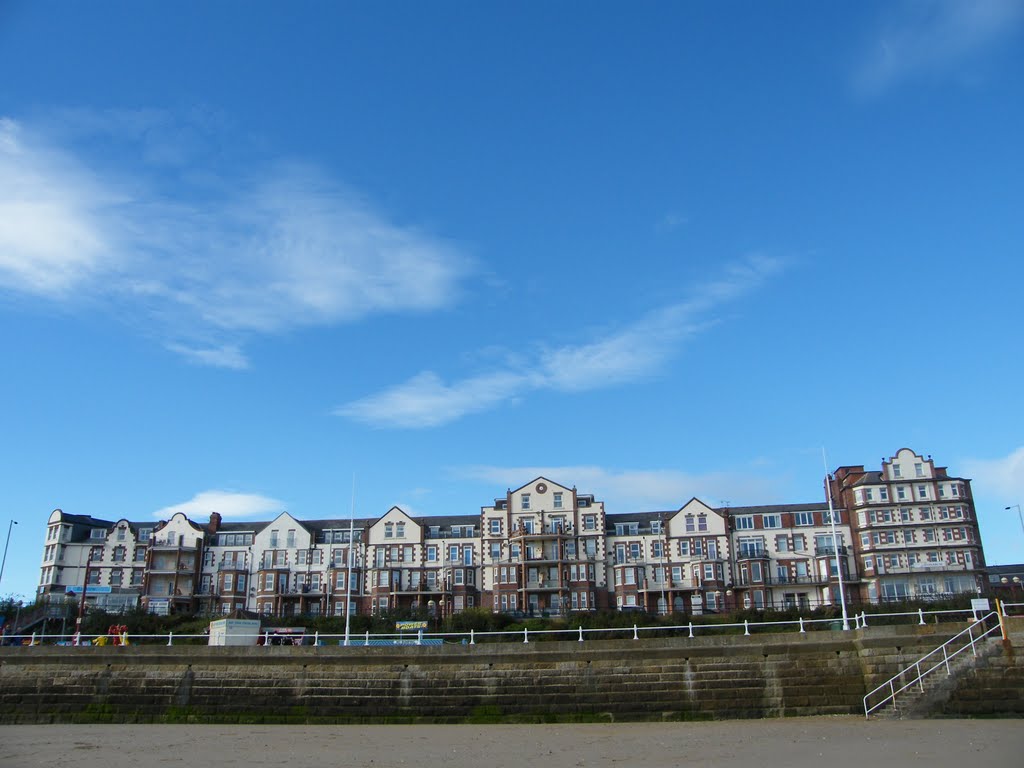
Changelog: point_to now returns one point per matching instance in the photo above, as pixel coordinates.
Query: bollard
(581, 633)
(526, 634)
(472, 637)
(746, 628)
(802, 630)
(170, 638)
(920, 614)
(691, 629)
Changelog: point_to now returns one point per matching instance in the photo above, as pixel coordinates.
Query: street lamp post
(1019, 515)
(6, 545)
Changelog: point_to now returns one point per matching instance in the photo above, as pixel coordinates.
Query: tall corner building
(915, 531)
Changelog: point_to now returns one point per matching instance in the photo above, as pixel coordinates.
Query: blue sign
(91, 589)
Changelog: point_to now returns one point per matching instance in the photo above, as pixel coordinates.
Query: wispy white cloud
(227, 356)
(1001, 477)
(634, 352)
(626, 490)
(199, 256)
(225, 503)
(935, 37)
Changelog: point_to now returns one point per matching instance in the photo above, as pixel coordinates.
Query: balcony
(829, 551)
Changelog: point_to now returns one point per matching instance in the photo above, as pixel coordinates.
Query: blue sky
(249, 252)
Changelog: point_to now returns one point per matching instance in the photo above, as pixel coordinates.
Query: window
(495, 526)
(290, 538)
(690, 524)
(803, 518)
(389, 530)
(901, 493)
(712, 549)
(558, 499)
(684, 548)
(744, 522)
(590, 522)
(771, 521)
(869, 494)
(399, 530)
(782, 544)
(467, 555)
(657, 550)
(751, 546)
(98, 533)
(922, 491)
(918, 470)
(896, 471)
(656, 526)
(524, 501)
(273, 539)
(453, 553)
(702, 522)
(883, 494)
(229, 582)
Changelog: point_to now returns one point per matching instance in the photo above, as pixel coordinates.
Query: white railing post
(746, 628)
(472, 637)
(945, 660)
(33, 640)
(691, 629)
(635, 635)
(802, 630)
(170, 638)
(920, 613)
(920, 677)
(366, 642)
(266, 639)
(863, 620)
(581, 633)
(526, 634)
(316, 637)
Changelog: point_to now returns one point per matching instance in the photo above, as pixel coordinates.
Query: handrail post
(970, 634)
(635, 635)
(920, 613)
(945, 660)
(746, 628)
(863, 619)
(691, 629)
(170, 638)
(581, 633)
(366, 642)
(316, 637)
(472, 637)
(802, 630)
(526, 634)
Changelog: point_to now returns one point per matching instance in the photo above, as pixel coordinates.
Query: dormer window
(98, 533)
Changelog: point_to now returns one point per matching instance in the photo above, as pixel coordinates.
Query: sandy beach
(838, 742)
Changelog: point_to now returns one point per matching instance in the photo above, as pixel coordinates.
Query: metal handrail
(946, 657)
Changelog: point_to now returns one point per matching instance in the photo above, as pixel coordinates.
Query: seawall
(665, 679)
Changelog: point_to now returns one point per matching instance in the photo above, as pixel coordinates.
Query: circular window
(541, 487)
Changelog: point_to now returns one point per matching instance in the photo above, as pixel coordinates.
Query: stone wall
(672, 678)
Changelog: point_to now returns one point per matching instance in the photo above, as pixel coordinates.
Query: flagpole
(348, 574)
(835, 543)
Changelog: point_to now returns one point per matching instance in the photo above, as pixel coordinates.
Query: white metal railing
(1005, 606)
(942, 656)
(690, 629)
